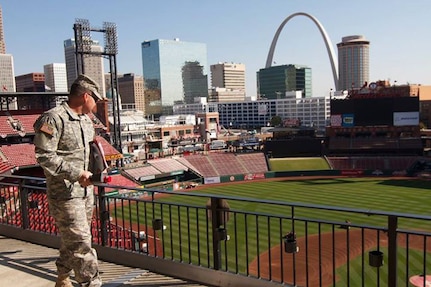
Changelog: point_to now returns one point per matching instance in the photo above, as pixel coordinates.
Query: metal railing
(223, 243)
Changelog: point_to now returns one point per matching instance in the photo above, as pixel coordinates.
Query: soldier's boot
(63, 281)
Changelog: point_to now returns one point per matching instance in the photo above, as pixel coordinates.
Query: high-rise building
(353, 62)
(7, 74)
(7, 81)
(93, 64)
(226, 95)
(277, 81)
(131, 90)
(174, 71)
(55, 77)
(228, 75)
(227, 82)
(32, 82)
(2, 43)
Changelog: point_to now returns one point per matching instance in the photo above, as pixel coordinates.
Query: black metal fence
(282, 244)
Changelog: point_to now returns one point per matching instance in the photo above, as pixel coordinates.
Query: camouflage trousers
(73, 219)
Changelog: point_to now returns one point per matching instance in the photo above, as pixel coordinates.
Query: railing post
(219, 214)
(392, 250)
(23, 196)
(216, 240)
(103, 215)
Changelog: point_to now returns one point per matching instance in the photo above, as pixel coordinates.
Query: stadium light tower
(83, 42)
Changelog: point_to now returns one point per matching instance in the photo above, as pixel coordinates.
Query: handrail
(202, 232)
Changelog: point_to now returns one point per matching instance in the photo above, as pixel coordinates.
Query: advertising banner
(348, 120)
(209, 180)
(336, 120)
(406, 118)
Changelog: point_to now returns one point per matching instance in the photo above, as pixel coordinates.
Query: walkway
(24, 264)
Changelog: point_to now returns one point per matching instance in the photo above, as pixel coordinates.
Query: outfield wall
(275, 174)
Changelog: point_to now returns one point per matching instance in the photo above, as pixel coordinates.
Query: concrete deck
(24, 264)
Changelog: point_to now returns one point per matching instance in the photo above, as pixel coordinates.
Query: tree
(276, 121)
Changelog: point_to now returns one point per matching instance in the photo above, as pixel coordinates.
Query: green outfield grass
(406, 196)
(294, 164)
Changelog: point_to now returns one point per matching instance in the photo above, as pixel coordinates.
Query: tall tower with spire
(2, 43)
(7, 74)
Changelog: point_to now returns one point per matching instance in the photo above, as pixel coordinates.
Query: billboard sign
(406, 118)
(348, 120)
(336, 120)
(262, 110)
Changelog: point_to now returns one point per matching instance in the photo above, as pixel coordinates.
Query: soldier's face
(90, 103)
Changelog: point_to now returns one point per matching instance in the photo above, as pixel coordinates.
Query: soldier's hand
(85, 178)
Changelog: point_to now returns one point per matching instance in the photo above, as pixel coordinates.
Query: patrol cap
(88, 83)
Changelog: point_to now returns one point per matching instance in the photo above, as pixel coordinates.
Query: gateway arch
(322, 30)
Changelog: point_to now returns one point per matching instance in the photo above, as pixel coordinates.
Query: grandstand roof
(110, 152)
(23, 155)
(120, 180)
(19, 155)
(5, 166)
(14, 125)
(141, 172)
(166, 165)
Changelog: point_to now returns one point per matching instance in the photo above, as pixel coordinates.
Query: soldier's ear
(86, 95)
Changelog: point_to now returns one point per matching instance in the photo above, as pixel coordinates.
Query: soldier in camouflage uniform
(62, 149)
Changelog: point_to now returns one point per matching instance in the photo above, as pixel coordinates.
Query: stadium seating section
(213, 164)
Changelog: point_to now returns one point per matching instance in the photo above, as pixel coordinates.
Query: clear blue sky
(234, 30)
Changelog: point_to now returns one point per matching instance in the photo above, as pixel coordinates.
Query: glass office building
(274, 82)
(174, 70)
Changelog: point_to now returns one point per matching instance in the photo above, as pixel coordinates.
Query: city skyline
(235, 31)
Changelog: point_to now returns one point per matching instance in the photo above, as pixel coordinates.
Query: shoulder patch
(47, 128)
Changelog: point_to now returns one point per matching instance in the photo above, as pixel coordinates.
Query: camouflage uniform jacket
(62, 149)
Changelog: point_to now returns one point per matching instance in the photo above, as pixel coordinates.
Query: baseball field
(403, 195)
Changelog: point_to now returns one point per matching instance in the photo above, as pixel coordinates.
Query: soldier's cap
(90, 84)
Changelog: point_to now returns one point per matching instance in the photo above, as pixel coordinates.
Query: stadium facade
(378, 119)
